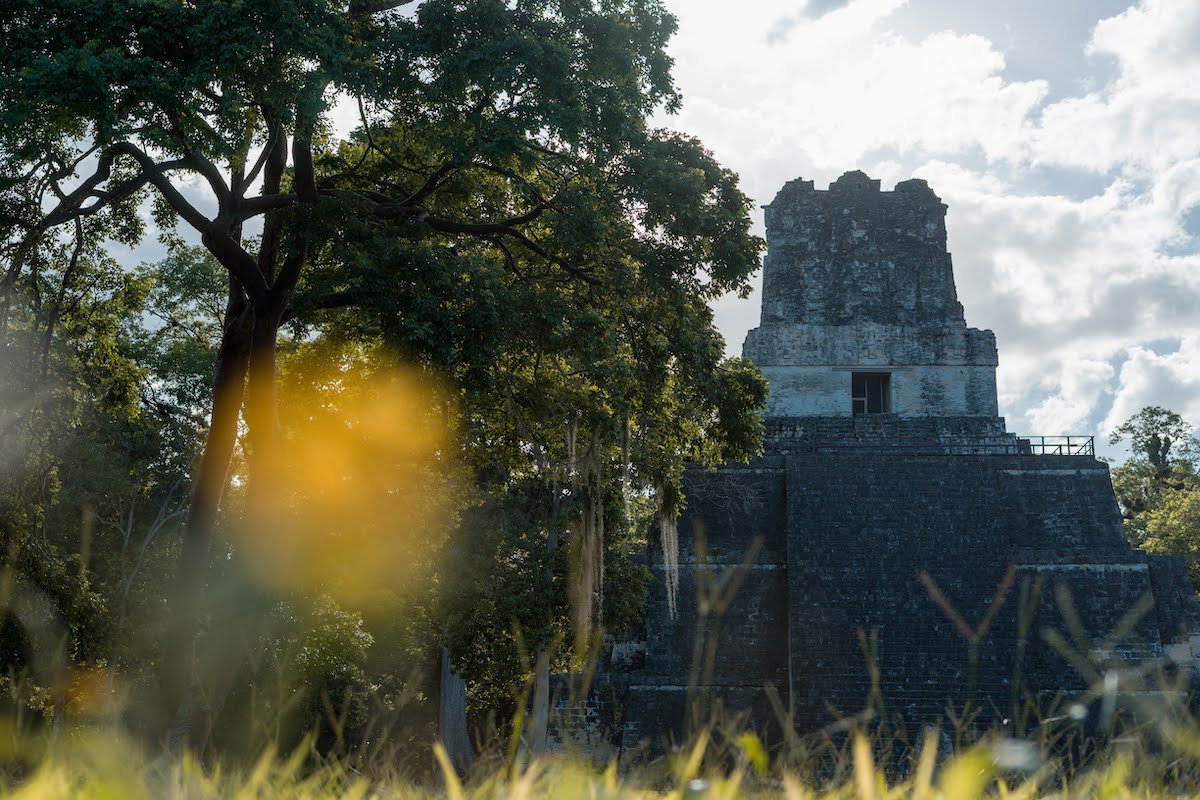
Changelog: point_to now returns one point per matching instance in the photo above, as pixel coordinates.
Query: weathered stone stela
(889, 493)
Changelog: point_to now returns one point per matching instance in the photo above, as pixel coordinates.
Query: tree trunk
(262, 420)
(540, 712)
(452, 716)
(245, 628)
(541, 704)
(211, 478)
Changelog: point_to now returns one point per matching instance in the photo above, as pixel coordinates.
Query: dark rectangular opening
(870, 392)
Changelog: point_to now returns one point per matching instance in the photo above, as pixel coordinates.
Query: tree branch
(525, 183)
(490, 230)
(272, 140)
(71, 202)
(215, 181)
(430, 186)
(268, 249)
(304, 176)
(504, 227)
(207, 169)
(373, 145)
(229, 252)
(156, 174)
(265, 203)
(289, 274)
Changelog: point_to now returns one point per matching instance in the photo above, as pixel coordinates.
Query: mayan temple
(889, 499)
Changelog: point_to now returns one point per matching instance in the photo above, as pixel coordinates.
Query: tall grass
(1155, 754)
(95, 764)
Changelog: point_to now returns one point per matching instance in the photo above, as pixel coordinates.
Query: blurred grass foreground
(96, 764)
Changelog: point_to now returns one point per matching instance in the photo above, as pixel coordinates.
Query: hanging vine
(668, 534)
(587, 539)
(626, 469)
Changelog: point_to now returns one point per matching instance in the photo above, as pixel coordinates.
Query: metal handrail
(1060, 445)
(1015, 446)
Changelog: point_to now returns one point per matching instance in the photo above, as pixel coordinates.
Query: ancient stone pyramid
(891, 513)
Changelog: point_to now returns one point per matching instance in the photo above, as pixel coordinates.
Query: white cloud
(835, 88)
(1082, 383)
(1147, 378)
(1157, 43)
(1146, 118)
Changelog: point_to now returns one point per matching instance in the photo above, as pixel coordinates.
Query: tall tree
(1158, 486)
(500, 144)
(1152, 433)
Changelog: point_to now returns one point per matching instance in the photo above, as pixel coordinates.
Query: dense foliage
(1159, 487)
(485, 308)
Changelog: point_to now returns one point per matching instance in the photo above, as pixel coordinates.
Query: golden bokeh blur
(364, 486)
(90, 692)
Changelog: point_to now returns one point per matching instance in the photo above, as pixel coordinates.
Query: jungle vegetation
(429, 342)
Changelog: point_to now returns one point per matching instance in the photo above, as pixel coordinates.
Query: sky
(1064, 136)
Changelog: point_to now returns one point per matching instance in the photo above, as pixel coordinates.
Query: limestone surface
(891, 513)
(859, 279)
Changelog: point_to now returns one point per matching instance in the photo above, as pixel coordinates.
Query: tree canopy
(501, 184)
(1158, 487)
(499, 215)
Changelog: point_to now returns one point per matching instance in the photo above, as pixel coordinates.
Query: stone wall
(947, 434)
(916, 391)
(864, 526)
(859, 279)
(869, 344)
(855, 254)
(834, 614)
(728, 640)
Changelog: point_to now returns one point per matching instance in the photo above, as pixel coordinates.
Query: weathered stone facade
(859, 279)
(854, 518)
